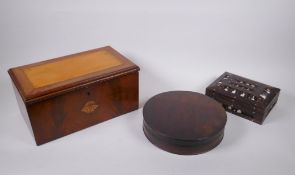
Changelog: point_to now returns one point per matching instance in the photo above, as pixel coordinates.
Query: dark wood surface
(62, 115)
(249, 99)
(69, 106)
(184, 122)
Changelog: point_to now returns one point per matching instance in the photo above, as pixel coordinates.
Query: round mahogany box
(184, 122)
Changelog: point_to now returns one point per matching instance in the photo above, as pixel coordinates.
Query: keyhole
(88, 93)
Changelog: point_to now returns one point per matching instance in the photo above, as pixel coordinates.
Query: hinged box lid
(46, 78)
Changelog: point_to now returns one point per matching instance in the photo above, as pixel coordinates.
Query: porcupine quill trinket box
(184, 122)
(244, 97)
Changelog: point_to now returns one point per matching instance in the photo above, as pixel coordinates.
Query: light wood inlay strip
(72, 67)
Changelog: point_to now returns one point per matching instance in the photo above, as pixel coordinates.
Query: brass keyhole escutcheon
(89, 107)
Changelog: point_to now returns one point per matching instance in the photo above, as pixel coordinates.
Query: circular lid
(184, 115)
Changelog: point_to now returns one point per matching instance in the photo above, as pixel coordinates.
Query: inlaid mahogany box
(244, 97)
(64, 95)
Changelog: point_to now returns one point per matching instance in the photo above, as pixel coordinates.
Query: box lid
(46, 78)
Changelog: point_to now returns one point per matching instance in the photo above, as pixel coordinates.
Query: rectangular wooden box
(63, 95)
(244, 97)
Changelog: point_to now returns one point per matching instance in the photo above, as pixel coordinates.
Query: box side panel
(84, 107)
(237, 107)
(22, 108)
(271, 105)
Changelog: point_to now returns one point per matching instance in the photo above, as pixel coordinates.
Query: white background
(179, 45)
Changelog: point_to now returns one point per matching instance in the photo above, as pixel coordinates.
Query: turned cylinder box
(184, 122)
